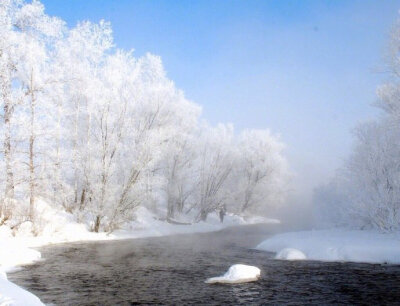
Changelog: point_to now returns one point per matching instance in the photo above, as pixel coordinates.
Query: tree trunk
(31, 157)
(203, 215)
(83, 198)
(97, 224)
(9, 191)
(75, 152)
(57, 185)
(170, 208)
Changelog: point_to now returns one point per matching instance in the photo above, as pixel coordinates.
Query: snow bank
(339, 245)
(54, 226)
(237, 274)
(15, 254)
(58, 227)
(290, 254)
(11, 294)
(260, 219)
(147, 225)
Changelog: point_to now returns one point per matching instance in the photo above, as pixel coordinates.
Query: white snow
(146, 225)
(338, 245)
(12, 254)
(15, 254)
(11, 294)
(237, 274)
(290, 254)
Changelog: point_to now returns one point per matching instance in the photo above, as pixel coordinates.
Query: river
(172, 270)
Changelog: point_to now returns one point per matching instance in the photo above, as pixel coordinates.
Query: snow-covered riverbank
(338, 245)
(11, 294)
(16, 249)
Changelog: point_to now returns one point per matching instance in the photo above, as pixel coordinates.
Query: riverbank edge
(338, 245)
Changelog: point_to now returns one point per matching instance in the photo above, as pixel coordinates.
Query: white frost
(237, 274)
(290, 254)
(339, 245)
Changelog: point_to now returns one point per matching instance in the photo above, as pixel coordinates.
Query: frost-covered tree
(97, 132)
(37, 34)
(215, 162)
(25, 42)
(8, 100)
(374, 170)
(176, 166)
(261, 173)
(366, 191)
(179, 174)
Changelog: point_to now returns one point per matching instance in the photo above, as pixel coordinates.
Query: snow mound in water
(237, 274)
(290, 254)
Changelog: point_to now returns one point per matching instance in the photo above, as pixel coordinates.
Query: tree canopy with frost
(97, 132)
(366, 191)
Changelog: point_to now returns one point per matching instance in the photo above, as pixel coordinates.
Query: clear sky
(305, 69)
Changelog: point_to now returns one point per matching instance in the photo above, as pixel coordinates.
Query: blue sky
(305, 69)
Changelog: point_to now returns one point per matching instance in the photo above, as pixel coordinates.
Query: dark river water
(172, 270)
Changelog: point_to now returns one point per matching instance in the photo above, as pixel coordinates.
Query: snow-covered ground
(336, 245)
(11, 294)
(237, 274)
(58, 227)
(13, 254)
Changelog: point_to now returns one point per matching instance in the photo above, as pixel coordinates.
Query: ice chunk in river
(237, 274)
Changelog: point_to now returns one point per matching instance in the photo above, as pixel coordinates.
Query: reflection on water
(172, 270)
